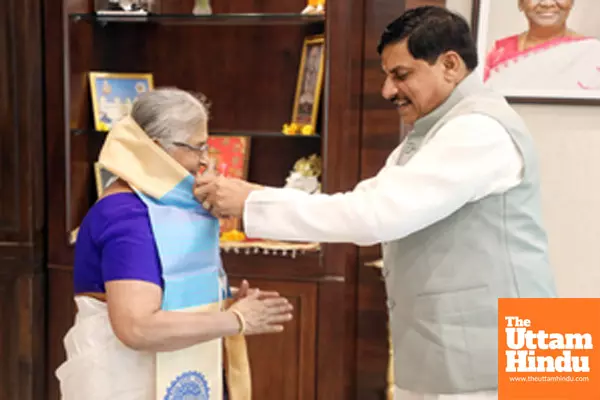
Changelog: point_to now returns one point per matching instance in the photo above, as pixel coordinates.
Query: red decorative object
(229, 155)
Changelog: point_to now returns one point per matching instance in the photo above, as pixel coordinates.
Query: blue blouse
(115, 242)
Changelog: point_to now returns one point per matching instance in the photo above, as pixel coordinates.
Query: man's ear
(453, 66)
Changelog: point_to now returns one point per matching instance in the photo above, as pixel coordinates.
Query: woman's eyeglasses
(202, 149)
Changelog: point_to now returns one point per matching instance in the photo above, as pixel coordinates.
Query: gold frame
(93, 76)
(310, 40)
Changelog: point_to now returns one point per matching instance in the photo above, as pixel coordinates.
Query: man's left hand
(223, 197)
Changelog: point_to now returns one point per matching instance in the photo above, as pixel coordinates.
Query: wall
(568, 140)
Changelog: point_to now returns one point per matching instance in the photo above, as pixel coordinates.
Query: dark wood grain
(22, 274)
(57, 124)
(282, 365)
(341, 160)
(61, 313)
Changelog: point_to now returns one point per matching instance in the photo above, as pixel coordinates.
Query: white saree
(563, 67)
(93, 351)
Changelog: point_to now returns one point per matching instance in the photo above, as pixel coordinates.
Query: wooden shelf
(263, 134)
(214, 19)
(303, 266)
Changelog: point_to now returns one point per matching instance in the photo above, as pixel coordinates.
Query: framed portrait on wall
(113, 95)
(310, 82)
(540, 50)
(229, 157)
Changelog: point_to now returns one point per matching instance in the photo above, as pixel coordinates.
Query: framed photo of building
(310, 82)
(113, 95)
(540, 51)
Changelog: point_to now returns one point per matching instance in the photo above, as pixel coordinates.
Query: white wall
(568, 141)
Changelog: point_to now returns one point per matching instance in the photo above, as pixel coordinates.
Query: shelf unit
(245, 59)
(233, 19)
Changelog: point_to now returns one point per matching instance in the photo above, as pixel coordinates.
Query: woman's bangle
(241, 320)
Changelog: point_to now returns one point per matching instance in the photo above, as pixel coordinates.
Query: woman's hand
(263, 312)
(244, 290)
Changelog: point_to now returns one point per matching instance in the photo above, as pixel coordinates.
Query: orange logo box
(549, 349)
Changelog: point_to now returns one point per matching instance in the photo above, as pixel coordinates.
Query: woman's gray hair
(170, 115)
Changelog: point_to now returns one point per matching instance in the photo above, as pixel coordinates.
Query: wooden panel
(21, 194)
(21, 203)
(61, 313)
(56, 127)
(372, 336)
(283, 365)
(337, 304)
(9, 146)
(21, 337)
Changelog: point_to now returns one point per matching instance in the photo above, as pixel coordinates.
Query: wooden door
(21, 202)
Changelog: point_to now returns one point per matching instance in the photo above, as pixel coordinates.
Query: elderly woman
(548, 56)
(150, 291)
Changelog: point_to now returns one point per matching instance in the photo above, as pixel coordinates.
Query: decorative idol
(202, 7)
(305, 175)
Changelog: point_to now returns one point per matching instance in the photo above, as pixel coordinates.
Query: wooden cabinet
(247, 65)
(283, 364)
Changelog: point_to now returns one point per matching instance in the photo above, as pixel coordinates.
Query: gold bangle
(241, 320)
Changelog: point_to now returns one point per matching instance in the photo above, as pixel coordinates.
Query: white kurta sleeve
(469, 158)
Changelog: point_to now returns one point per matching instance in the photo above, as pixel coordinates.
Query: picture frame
(113, 95)
(103, 178)
(229, 156)
(562, 70)
(309, 83)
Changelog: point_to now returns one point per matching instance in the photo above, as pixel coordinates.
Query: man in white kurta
(456, 209)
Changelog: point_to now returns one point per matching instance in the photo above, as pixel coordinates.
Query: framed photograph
(113, 95)
(229, 156)
(540, 50)
(309, 82)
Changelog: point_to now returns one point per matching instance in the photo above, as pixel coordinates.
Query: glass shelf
(214, 19)
(265, 134)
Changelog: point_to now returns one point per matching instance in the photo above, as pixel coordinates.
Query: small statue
(305, 175)
(202, 7)
(314, 7)
(129, 5)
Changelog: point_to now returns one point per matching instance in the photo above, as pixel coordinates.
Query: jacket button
(391, 304)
